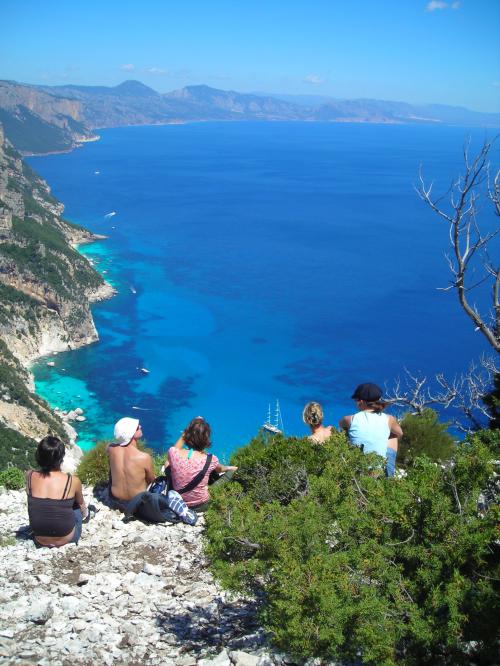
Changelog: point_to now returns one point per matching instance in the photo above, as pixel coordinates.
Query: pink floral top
(183, 470)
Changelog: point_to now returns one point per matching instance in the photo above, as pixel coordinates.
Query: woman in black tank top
(56, 506)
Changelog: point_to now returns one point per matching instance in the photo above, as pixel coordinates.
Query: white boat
(276, 426)
(133, 290)
(144, 370)
(112, 214)
(51, 364)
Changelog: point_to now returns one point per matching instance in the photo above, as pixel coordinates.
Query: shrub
(350, 566)
(15, 449)
(492, 402)
(93, 468)
(12, 478)
(424, 435)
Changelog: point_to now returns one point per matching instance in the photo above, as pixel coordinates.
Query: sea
(256, 262)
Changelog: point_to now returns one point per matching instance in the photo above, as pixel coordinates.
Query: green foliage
(93, 468)
(15, 449)
(12, 383)
(348, 565)
(12, 478)
(42, 251)
(492, 401)
(424, 434)
(488, 437)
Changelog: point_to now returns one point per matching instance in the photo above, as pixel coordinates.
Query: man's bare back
(131, 469)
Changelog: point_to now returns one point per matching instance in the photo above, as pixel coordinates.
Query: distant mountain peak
(135, 88)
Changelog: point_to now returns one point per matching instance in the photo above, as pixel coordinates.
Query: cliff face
(45, 290)
(36, 121)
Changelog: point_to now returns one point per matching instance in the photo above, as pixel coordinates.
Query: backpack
(152, 508)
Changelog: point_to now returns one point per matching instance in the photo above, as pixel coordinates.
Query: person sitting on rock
(370, 428)
(130, 470)
(313, 417)
(194, 465)
(56, 507)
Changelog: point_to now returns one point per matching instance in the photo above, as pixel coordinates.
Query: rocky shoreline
(129, 593)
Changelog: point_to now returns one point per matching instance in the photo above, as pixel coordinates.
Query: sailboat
(276, 427)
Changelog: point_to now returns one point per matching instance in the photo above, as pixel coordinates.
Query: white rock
(222, 659)
(240, 658)
(185, 660)
(71, 606)
(39, 611)
(152, 569)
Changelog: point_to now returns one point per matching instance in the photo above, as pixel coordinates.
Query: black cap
(367, 392)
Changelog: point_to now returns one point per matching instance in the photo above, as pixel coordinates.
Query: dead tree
(472, 247)
(463, 394)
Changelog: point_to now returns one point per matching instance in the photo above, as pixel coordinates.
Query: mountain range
(40, 119)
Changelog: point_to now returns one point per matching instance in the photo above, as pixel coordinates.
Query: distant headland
(39, 119)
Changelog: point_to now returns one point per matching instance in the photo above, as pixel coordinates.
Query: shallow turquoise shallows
(256, 261)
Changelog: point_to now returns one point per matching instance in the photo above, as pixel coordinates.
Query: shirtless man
(131, 470)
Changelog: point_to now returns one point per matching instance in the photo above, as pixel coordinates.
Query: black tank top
(51, 517)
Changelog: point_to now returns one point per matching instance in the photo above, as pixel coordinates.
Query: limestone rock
(118, 600)
(39, 611)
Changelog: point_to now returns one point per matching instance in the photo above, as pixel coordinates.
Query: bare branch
(468, 243)
(464, 393)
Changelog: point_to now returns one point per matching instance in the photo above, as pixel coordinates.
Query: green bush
(350, 566)
(12, 478)
(492, 402)
(16, 449)
(93, 468)
(424, 435)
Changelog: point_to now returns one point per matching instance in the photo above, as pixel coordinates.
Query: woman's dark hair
(197, 434)
(50, 454)
(378, 406)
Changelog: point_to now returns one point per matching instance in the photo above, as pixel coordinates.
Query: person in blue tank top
(370, 428)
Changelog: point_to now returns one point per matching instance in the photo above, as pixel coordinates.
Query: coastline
(53, 346)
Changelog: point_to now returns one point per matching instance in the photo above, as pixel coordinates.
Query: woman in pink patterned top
(185, 464)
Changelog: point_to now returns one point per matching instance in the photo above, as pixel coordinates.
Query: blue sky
(417, 51)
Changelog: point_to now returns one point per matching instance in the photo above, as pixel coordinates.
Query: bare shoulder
(141, 455)
(76, 482)
(345, 422)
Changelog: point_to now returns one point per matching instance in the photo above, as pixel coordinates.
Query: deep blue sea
(256, 261)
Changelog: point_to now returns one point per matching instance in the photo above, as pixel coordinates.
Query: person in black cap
(370, 428)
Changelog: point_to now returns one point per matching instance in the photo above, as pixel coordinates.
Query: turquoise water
(255, 261)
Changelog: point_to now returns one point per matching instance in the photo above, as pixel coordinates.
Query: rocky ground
(129, 593)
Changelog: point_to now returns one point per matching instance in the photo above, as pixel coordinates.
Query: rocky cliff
(45, 290)
(41, 119)
(37, 121)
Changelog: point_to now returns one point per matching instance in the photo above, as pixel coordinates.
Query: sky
(417, 51)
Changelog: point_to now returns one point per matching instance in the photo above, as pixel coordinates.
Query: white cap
(125, 429)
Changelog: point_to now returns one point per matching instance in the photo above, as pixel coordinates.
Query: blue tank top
(371, 431)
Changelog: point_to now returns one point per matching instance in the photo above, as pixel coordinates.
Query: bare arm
(79, 496)
(180, 442)
(178, 445)
(345, 422)
(396, 430)
(224, 468)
